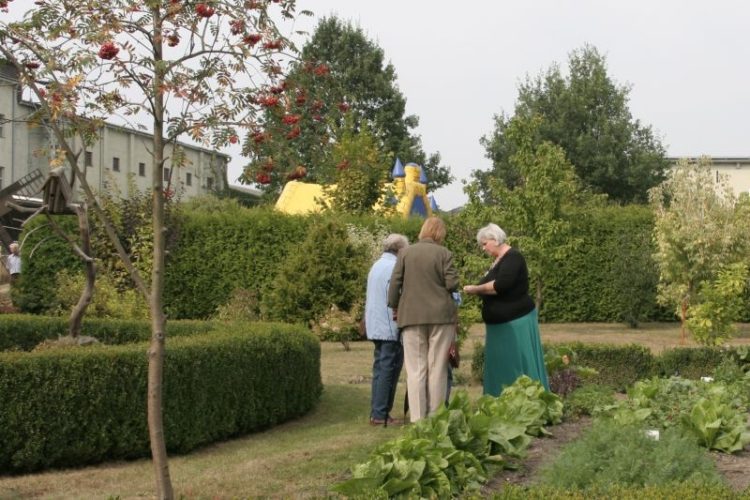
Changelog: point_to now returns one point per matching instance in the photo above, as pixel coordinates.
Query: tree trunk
(683, 317)
(538, 298)
(76, 316)
(158, 320)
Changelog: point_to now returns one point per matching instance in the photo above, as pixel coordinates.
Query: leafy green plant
(610, 454)
(585, 400)
(713, 412)
(450, 452)
(717, 425)
(563, 370)
(711, 321)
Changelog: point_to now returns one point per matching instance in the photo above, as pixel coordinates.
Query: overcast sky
(459, 63)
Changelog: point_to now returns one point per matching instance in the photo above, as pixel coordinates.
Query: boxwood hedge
(75, 406)
(620, 366)
(24, 332)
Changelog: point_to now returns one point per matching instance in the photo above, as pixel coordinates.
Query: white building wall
(735, 169)
(23, 149)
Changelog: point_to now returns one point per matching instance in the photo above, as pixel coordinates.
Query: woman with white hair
(512, 344)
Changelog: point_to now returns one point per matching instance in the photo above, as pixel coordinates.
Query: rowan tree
(340, 75)
(188, 69)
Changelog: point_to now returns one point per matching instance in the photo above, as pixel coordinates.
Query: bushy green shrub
(44, 254)
(68, 407)
(107, 300)
(325, 270)
(612, 454)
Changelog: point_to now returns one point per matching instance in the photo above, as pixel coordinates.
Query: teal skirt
(513, 349)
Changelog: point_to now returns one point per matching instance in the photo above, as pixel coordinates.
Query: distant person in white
(13, 262)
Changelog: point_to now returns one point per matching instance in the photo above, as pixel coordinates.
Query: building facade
(119, 159)
(736, 169)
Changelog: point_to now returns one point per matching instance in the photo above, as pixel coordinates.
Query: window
(166, 174)
(88, 158)
(142, 169)
(2, 122)
(189, 179)
(115, 164)
(209, 182)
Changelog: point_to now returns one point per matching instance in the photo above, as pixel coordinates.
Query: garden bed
(734, 468)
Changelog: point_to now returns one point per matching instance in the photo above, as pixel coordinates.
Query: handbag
(454, 357)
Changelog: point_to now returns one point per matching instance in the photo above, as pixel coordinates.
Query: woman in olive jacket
(420, 296)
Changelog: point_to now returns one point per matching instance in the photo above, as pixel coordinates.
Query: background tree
(362, 171)
(585, 113)
(702, 233)
(533, 212)
(194, 69)
(341, 72)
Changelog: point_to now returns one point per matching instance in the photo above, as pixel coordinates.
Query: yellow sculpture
(409, 188)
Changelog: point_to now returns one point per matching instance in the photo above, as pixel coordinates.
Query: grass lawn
(301, 458)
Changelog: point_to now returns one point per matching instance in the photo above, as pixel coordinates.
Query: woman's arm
(483, 289)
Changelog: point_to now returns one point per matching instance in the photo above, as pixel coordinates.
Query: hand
(471, 289)
(395, 315)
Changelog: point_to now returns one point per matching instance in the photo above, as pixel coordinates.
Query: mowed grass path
(303, 458)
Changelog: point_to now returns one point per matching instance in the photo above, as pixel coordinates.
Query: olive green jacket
(421, 285)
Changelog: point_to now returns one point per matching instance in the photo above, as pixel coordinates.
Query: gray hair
(491, 232)
(395, 242)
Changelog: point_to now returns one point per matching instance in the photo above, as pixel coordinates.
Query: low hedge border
(620, 366)
(75, 406)
(23, 332)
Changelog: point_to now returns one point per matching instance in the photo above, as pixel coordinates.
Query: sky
(458, 65)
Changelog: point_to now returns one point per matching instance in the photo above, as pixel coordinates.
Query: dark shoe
(391, 421)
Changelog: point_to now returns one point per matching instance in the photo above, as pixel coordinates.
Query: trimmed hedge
(75, 406)
(218, 252)
(620, 366)
(610, 277)
(689, 362)
(24, 332)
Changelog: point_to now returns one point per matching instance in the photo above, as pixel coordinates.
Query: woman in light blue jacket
(384, 333)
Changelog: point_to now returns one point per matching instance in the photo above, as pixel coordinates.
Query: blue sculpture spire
(398, 170)
(422, 176)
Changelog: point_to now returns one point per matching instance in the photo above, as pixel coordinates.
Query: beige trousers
(426, 362)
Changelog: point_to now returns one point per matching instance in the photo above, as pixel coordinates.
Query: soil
(734, 468)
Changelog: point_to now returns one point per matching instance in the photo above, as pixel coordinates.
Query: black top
(512, 286)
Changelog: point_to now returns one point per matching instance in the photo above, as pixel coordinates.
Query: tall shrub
(325, 270)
